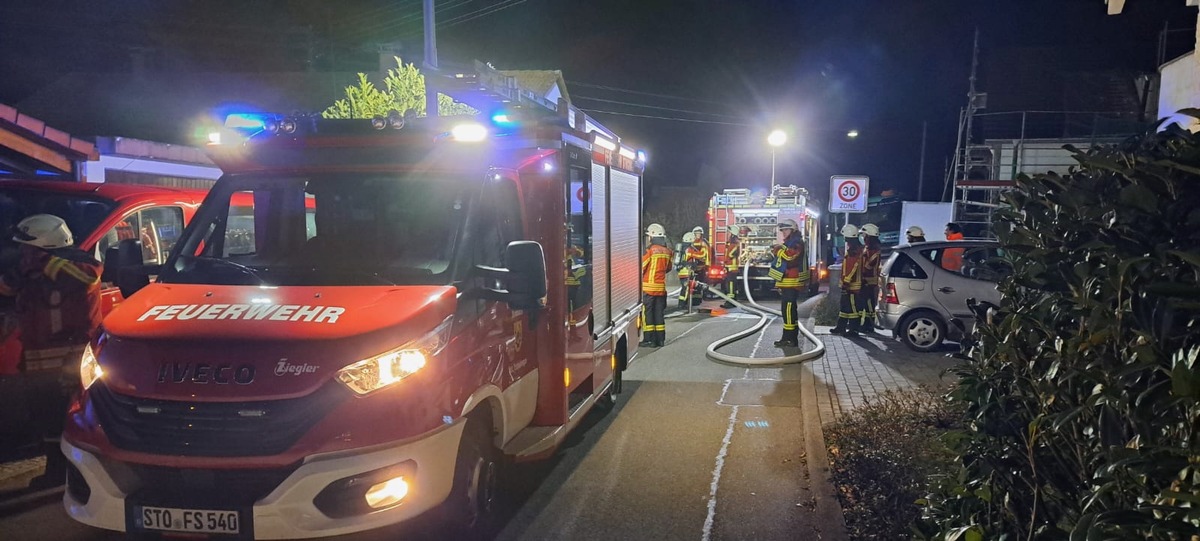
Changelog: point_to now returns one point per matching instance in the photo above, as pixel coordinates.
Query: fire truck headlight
(469, 133)
(89, 368)
(388, 368)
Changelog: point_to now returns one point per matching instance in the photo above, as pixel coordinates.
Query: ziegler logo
(283, 368)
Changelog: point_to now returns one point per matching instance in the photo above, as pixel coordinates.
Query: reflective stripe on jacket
(852, 268)
(733, 253)
(870, 265)
(699, 254)
(58, 296)
(790, 267)
(655, 264)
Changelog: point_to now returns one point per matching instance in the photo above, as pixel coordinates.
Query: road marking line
(684, 333)
(712, 490)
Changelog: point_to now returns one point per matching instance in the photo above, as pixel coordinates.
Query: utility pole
(921, 175)
(965, 122)
(431, 60)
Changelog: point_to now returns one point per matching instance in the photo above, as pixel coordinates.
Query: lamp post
(776, 139)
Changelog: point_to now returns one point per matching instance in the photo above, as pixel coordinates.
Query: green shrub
(826, 311)
(882, 455)
(1083, 400)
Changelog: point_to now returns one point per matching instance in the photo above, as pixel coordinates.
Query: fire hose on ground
(762, 312)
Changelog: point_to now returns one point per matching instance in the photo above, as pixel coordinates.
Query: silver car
(924, 289)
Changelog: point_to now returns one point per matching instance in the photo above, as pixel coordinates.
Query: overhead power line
(644, 106)
(399, 22)
(674, 119)
(481, 12)
(489, 10)
(628, 91)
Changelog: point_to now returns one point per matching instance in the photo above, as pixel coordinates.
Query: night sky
(699, 83)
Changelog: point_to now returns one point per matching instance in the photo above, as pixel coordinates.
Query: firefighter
(870, 274)
(952, 258)
(915, 234)
(733, 262)
(655, 264)
(574, 268)
(696, 259)
(789, 269)
(57, 290)
(850, 313)
(685, 273)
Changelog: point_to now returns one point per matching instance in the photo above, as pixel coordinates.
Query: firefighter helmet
(788, 223)
(698, 231)
(44, 231)
(915, 231)
(870, 230)
(849, 230)
(689, 237)
(655, 231)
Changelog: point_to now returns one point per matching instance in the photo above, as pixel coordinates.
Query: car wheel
(922, 331)
(471, 507)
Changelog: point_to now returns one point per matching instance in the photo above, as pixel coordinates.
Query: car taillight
(890, 296)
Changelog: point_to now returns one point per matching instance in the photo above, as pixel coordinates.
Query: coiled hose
(762, 312)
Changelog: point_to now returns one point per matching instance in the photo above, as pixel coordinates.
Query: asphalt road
(694, 450)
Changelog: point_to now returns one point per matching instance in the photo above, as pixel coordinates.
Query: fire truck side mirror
(123, 266)
(524, 280)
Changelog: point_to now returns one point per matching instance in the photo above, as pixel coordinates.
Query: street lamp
(776, 139)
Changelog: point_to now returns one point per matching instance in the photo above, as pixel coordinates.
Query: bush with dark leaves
(882, 455)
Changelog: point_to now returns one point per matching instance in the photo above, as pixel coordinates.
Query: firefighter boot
(791, 339)
(56, 468)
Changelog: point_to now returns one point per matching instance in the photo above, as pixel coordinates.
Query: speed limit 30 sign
(848, 193)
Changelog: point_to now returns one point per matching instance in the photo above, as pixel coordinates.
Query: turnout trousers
(787, 306)
(654, 330)
(869, 295)
(850, 313)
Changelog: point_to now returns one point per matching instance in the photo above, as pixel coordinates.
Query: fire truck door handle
(592, 325)
(946, 289)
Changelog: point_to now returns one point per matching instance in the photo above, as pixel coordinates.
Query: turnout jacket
(733, 253)
(656, 261)
(852, 267)
(57, 296)
(790, 265)
(870, 263)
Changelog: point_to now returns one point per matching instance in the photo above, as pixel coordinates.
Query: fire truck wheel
(471, 507)
(609, 399)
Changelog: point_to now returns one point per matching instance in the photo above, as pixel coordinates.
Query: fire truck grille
(216, 487)
(218, 429)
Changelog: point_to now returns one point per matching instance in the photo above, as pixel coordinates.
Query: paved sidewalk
(854, 370)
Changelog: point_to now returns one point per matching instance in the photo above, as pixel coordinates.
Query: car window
(157, 228)
(986, 263)
(903, 266)
(977, 262)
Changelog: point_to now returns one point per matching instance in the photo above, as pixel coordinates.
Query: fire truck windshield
(342, 229)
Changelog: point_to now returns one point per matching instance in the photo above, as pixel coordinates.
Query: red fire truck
(754, 217)
(467, 291)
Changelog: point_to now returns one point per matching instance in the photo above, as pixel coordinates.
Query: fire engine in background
(99, 215)
(739, 210)
(469, 290)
